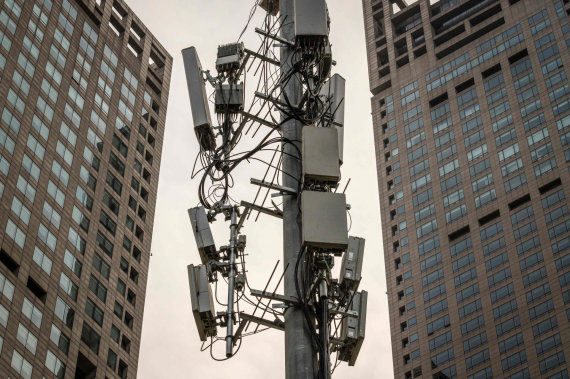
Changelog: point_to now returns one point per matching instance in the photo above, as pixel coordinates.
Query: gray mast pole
(231, 282)
(299, 354)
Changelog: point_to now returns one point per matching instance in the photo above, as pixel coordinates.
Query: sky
(170, 346)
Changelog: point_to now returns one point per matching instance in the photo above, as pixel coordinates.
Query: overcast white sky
(170, 345)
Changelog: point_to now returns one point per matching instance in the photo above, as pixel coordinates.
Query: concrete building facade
(83, 96)
(471, 114)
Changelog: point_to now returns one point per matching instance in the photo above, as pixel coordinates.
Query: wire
(251, 14)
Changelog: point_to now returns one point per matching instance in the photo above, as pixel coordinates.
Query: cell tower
(297, 114)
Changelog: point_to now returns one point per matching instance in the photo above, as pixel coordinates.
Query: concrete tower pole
(299, 353)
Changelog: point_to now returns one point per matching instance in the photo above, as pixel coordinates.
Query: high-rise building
(471, 113)
(83, 96)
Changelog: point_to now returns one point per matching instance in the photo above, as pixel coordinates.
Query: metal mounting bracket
(275, 38)
(267, 211)
(276, 187)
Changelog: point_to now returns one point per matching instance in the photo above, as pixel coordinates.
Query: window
(548, 344)
(502, 293)
(452, 198)
(90, 338)
(448, 168)
(112, 359)
(553, 199)
(463, 262)
(21, 365)
(73, 263)
(494, 82)
(446, 153)
(480, 167)
(84, 198)
(51, 215)
(42, 260)
(472, 325)
(64, 312)
(544, 326)
(477, 359)
(508, 325)
(32, 312)
(105, 244)
(460, 247)
(59, 339)
(47, 237)
(423, 197)
(456, 214)
(27, 338)
(534, 277)
(20, 210)
(499, 277)
(525, 230)
(513, 360)
(450, 183)
(98, 288)
(545, 167)
(442, 358)
(55, 365)
(469, 111)
(442, 340)
(68, 286)
(500, 109)
(505, 309)
(469, 309)
(436, 308)
(482, 183)
(115, 184)
(493, 247)
(541, 309)
(426, 229)
(424, 213)
(496, 262)
(552, 362)
(474, 342)
(430, 262)
(94, 312)
(76, 240)
(60, 172)
(15, 233)
(100, 265)
(511, 343)
(428, 245)
(108, 223)
(467, 292)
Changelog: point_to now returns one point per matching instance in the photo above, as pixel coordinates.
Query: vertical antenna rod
(231, 282)
(299, 354)
(324, 362)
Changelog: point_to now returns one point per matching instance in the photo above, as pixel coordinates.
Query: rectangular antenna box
(353, 329)
(198, 99)
(203, 234)
(311, 20)
(229, 56)
(229, 98)
(320, 155)
(351, 268)
(333, 92)
(324, 220)
(202, 301)
(270, 6)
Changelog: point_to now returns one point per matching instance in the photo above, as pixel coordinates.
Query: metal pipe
(231, 283)
(299, 354)
(324, 362)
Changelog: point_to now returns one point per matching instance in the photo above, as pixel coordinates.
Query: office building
(83, 95)
(471, 114)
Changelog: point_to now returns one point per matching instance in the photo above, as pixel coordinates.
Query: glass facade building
(83, 96)
(471, 114)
